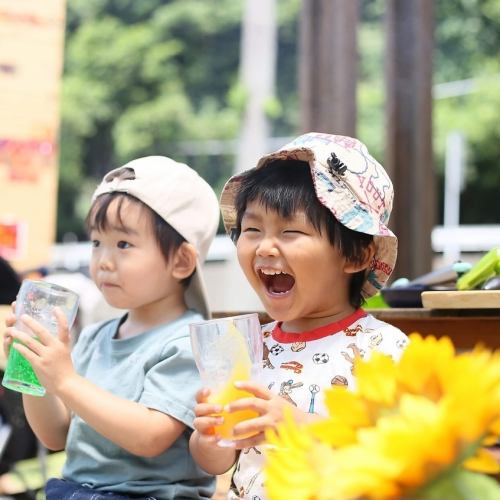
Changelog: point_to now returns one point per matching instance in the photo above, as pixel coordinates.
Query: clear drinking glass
(228, 350)
(37, 299)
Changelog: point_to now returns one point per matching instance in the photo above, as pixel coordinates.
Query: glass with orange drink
(227, 350)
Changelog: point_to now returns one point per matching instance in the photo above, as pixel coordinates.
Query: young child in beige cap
(121, 403)
(309, 223)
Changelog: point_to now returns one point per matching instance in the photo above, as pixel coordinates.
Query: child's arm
(49, 419)
(47, 416)
(130, 425)
(203, 442)
(271, 409)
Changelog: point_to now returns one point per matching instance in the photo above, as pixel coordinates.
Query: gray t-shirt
(156, 369)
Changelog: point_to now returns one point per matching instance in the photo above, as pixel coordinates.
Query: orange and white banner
(31, 59)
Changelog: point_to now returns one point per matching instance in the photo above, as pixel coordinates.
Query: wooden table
(466, 327)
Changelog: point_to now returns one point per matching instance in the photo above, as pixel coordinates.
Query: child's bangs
(284, 187)
(286, 200)
(99, 218)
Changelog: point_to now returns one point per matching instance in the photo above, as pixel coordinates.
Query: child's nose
(105, 261)
(267, 248)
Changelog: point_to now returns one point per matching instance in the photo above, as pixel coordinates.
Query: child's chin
(117, 304)
(276, 312)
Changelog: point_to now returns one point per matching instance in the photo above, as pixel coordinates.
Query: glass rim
(59, 289)
(226, 318)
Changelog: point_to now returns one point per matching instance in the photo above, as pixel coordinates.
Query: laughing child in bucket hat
(122, 403)
(310, 227)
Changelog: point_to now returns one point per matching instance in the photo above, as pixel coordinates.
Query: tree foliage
(141, 78)
(158, 76)
(467, 41)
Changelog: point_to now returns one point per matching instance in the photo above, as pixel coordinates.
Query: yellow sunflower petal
(405, 427)
(375, 378)
(333, 432)
(363, 473)
(483, 461)
(495, 427)
(288, 472)
(347, 407)
(422, 364)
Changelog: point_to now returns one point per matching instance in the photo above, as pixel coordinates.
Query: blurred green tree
(467, 42)
(161, 77)
(142, 77)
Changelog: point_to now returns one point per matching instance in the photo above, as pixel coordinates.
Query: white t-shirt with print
(300, 366)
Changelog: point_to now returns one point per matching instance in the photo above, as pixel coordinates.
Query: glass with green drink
(38, 300)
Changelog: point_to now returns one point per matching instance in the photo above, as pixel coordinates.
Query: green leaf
(461, 485)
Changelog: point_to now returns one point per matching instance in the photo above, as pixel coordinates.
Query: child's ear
(184, 261)
(364, 263)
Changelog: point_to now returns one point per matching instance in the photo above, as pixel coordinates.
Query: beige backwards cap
(350, 183)
(181, 198)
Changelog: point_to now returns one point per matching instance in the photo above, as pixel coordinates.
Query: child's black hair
(287, 186)
(167, 238)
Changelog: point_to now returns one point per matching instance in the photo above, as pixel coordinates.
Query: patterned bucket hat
(350, 183)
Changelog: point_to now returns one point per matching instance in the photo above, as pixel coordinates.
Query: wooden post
(409, 45)
(328, 66)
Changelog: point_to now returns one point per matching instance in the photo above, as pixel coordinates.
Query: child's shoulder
(89, 333)
(268, 327)
(179, 328)
(374, 334)
(371, 323)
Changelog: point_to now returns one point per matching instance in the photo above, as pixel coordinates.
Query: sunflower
(411, 429)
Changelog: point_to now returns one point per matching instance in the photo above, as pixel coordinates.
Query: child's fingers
(204, 409)
(205, 425)
(210, 439)
(254, 388)
(202, 395)
(256, 404)
(255, 425)
(10, 319)
(26, 351)
(62, 325)
(250, 442)
(42, 334)
(27, 340)
(7, 341)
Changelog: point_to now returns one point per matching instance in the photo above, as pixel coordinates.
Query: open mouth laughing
(275, 281)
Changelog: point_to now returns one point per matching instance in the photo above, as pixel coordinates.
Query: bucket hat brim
(335, 191)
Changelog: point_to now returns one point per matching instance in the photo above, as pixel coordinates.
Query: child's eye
(95, 243)
(248, 229)
(123, 244)
(293, 231)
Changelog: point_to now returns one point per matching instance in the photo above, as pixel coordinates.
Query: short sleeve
(382, 337)
(394, 343)
(170, 385)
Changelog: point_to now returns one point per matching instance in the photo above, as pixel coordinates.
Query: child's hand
(49, 356)
(205, 420)
(203, 442)
(10, 320)
(268, 405)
